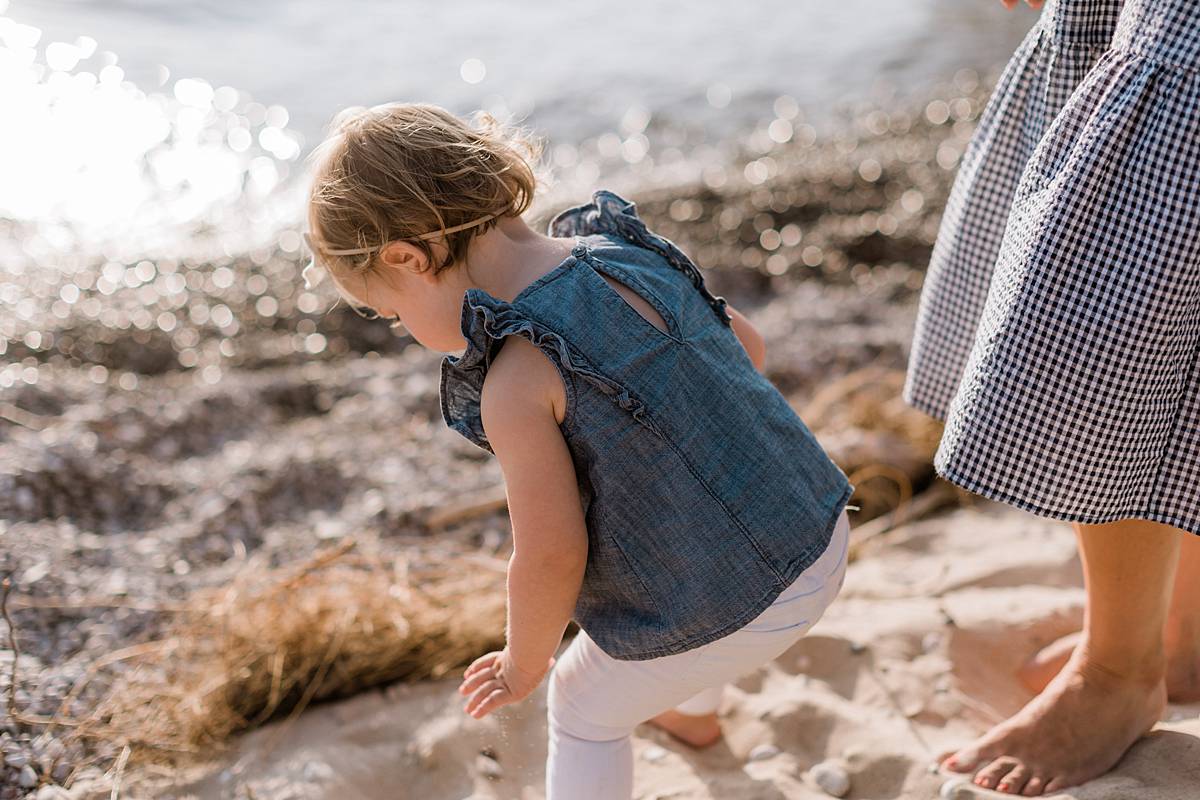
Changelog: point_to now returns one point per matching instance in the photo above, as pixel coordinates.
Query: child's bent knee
(564, 721)
(566, 717)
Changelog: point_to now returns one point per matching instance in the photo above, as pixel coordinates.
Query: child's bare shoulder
(519, 382)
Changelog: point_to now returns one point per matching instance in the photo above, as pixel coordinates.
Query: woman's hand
(494, 680)
(1011, 4)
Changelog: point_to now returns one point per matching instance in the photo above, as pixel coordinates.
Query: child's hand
(493, 680)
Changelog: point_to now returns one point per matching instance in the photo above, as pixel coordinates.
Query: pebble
(50, 792)
(488, 767)
(763, 751)
(28, 778)
(956, 789)
(317, 772)
(832, 778)
(654, 754)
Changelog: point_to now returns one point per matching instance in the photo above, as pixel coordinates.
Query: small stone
(956, 789)
(54, 748)
(28, 778)
(317, 772)
(488, 767)
(763, 751)
(654, 754)
(832, 778)
(16, 760)
(857, 648)
(51, 792)
(35, 573)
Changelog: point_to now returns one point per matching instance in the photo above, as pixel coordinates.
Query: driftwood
(937, 496)
(480, 504)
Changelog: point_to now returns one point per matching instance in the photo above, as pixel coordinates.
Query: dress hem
(984, 490)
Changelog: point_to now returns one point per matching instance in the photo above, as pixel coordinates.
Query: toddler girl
(662, 492)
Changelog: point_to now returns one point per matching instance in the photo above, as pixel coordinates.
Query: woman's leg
(1112, 689)
(1182, 636)
(1183, 626)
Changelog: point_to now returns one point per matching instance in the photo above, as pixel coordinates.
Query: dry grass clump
(272, 641)
(883, 445)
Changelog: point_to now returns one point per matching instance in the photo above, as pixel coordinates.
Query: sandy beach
(917, 655)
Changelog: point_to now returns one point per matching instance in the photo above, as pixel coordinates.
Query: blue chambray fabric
(704, 493)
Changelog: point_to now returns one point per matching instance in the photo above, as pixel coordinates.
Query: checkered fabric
(1059, 327)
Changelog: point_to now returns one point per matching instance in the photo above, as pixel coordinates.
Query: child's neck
(511, 256)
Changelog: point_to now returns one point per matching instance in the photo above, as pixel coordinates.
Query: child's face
(402, 286)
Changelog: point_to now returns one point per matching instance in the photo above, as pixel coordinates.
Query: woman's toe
(1014, 782)
(1054, 784)
(1035, 786)
(960, 761)
(991, 775)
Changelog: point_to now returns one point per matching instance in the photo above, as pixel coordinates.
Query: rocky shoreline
(162, 419)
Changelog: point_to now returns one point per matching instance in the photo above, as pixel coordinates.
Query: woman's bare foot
(1183, 664)
(699, 731)
(1043, 665)
(1075, 730)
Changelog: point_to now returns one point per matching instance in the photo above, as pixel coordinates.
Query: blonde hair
(400, 170)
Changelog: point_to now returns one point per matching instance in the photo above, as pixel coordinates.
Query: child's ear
(405, 256)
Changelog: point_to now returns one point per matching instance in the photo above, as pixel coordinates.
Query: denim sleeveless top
(704, 493)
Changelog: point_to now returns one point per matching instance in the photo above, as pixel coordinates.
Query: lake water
(127, 120)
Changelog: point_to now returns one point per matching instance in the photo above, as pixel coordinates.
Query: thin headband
(316, 277)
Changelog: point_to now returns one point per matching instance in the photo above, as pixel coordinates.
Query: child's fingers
(495, 700)
(472, 683)
(480, 693)
(485, 660)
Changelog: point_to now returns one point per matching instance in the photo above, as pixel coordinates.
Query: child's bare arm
(520, 406)
(750, 338)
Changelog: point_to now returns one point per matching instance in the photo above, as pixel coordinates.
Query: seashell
(488, 767)
(654, 754)
(762, 752)
(956, 789)
(832, 778)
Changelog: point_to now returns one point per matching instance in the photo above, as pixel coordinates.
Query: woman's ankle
(1146, 666)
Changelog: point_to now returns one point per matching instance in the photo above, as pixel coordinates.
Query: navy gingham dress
(1059, 327)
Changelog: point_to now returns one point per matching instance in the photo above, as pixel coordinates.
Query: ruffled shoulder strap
(486, 321)
(608, 212)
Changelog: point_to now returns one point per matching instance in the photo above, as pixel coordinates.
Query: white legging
(595, 701)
